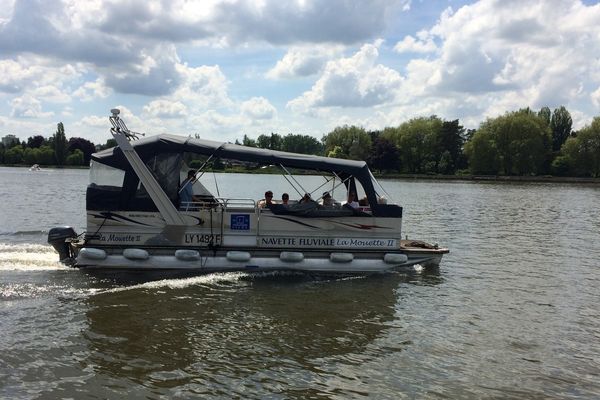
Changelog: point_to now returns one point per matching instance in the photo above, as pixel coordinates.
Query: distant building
(10, 140)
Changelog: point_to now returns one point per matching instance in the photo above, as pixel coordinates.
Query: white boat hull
(235, 260)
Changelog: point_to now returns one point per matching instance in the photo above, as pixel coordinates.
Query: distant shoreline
(492, 178)
(47, 166)
(474, 178)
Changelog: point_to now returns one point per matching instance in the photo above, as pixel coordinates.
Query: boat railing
(198, 205)
(217, 202)
(238, 203)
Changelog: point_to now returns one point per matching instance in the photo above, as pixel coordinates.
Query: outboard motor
(57, 237)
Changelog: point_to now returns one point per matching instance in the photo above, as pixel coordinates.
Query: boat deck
(417, 246)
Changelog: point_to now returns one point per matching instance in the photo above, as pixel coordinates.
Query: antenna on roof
(120, 127)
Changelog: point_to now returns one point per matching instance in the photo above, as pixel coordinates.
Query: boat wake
(217, 279)
(28, 290)
(221, 280)
(181, 283)
(28, 257)
(24, 233)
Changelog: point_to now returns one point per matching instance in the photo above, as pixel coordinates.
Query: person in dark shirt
(186, 194)
(267, 201)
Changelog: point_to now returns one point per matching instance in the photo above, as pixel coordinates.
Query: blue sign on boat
(240, 222)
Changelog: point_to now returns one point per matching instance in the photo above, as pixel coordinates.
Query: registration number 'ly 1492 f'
(202, 238)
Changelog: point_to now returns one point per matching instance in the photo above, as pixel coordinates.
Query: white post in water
(122, 135)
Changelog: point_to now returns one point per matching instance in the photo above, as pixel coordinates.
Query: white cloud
(480, 60)
(214, 125)
(154, 74)
(30, 73)
(165, 109)
(507, 57)
(67, 111)
(108, 33)
(316, 21)
(6, 10)
(92, 90)
(258, 108)
(94, 121)
(303, 61)
(13, 76)
(423, 44)
(352, 82)
(51, 93)
(27, 107)
(204, 86)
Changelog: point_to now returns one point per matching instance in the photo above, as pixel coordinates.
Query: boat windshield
(103, 175)
(382, 195)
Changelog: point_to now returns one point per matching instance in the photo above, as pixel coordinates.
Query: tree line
(522, 142)
(55, 150)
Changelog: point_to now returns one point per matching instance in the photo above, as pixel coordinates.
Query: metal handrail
(198, 205)
(220, 202)
(241, 202)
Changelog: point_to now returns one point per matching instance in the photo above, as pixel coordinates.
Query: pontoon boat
(136, 219)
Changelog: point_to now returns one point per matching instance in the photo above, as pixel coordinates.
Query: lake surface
(513, 312)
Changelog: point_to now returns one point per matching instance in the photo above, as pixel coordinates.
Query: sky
(224, 68)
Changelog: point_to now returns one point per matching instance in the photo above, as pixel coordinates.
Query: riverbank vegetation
(519, 143)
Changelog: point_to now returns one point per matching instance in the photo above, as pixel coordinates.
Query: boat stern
(60, 238)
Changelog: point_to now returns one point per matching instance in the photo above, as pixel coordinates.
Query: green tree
(272, 141)
(384, 155)
(60, 144)
(561, 124)
(14, 155)
(31, 156)
(337, 152)
(86, 147)
(545, 114)
(515, 143)
(110, 143)
(75, 158)
(583, 151)
(561, 166)
(354, 141)
(303, 144)
(35, 142)
(45, 155)
(419, 143)
(451, 138)
(482, 154)
(246, 141)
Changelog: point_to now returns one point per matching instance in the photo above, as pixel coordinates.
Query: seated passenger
(285, 198)
(305, 199)
(352, 200)
(327, 200)
(267, 201)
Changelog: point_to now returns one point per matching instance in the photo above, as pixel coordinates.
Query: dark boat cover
(151, 146)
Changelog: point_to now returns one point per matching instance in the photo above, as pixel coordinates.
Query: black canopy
(149, 147)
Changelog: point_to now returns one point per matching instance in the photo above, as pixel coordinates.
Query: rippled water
(513, 312)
